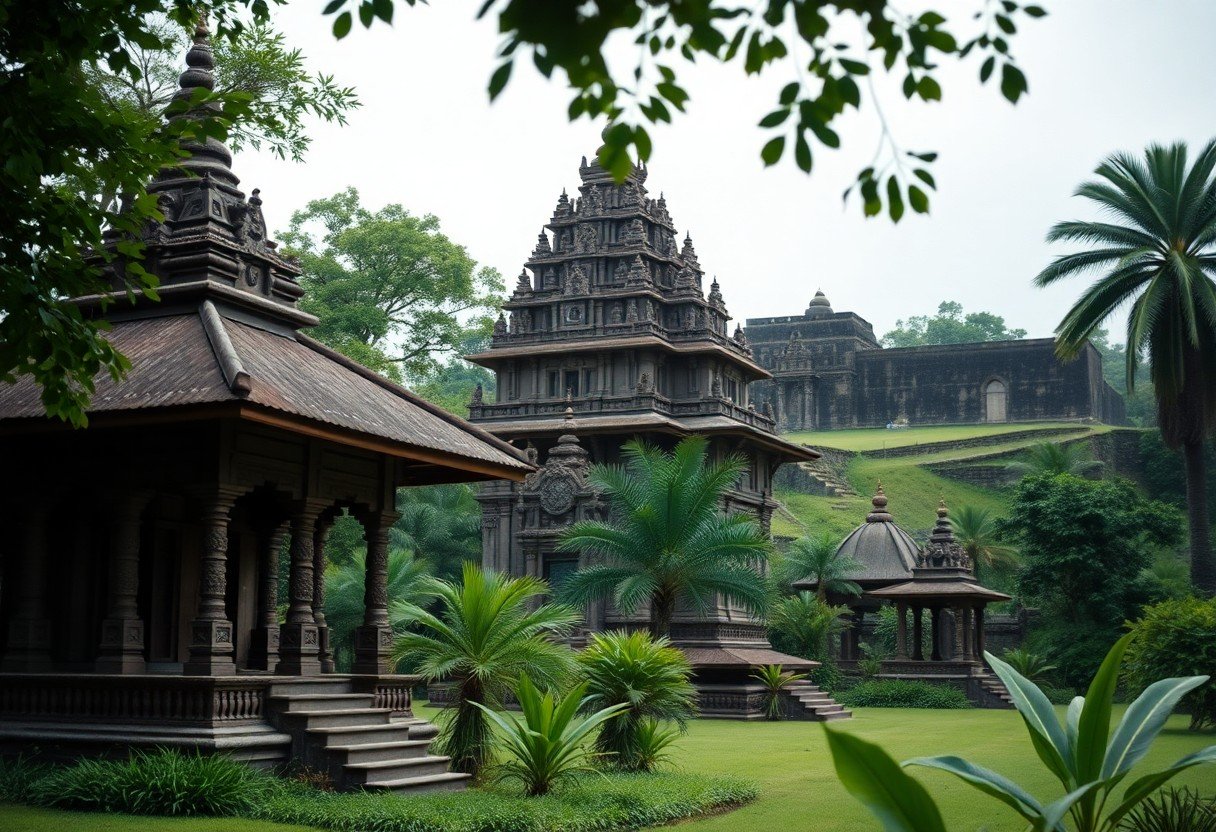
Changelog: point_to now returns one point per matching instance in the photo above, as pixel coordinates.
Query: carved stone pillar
(264, 643)
(935, 616)
(901, 630)
(211, 640)
(918, 635)
(324, 654)
(960, 654)
(122, 633)
(374, 640)
(979, 634)
(299, 644)
(29, 631)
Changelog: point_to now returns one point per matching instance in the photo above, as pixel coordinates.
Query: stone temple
(610, 335)
(830, 371)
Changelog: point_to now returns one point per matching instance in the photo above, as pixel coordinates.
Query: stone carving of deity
(615, 316)
(586, 239)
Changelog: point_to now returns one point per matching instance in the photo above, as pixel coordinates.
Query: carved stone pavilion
(609, 335)
(140, 577)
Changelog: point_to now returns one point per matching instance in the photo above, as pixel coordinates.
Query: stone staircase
(337, 731)
(806, 701)
(829, 477)
(994, 691)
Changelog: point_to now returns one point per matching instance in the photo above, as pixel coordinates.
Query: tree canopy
(950, 326)
(390, 289)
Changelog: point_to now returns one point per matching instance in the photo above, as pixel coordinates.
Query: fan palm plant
(1157, 251)
(344, 585)
(776, 680)
(547, 747)
(668, 541)
(1046, 459)
(977, 530)
(804, 625)
(817, 559)
(645, 673)
(1033, 666)
(485, 635)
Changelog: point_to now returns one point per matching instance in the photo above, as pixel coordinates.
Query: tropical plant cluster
(1177, 638)
(901, 693)
(222, 787)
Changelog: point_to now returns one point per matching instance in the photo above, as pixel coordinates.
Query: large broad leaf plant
(1091, 762)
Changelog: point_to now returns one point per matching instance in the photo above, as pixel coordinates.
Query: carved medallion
(557, 492)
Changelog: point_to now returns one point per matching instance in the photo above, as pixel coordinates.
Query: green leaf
(1035, 11)
(918, 199)
(854, 67)
(802, 153)
(1048, 738)
(1053, 814)
(498, 81)
(1143, 720)
(929, 89)
(788, 93)
(1146, 785)
(895, 200)
(772, 151)
(342, 24)
(332, 6)
(1013, 83)
(986, 69)
(870, 775)
(924, 176)
(774, 118)
(987, 781)
(1093, 726)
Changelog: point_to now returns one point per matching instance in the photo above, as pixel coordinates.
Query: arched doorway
(996, 400)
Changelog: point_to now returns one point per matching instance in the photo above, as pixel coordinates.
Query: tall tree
(1050, 458)
(950, 326)
(391, 290)
(1156, 250)
(668, 540)
(817, 558)
(978, 531)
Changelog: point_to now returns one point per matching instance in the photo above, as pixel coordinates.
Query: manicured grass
(789, 762)
(870, 439)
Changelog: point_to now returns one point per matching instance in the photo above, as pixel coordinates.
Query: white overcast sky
(1104, 75)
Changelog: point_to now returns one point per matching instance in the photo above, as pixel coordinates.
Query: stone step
(836, 715)
(393, 771)
(449, 782)
(340, 735)
(293, 703)
(420, 729)
(336, 719)
(376, 752)
(309, 686)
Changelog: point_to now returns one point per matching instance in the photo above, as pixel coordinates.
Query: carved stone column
(374, 640)
(324, 654)
(299, 647)
(122, 633)
(935, 617)
(211, 643)
(980, 646)
(901, 630)
(29, 631)
(918, 635)
(959, 616)
(264, 643)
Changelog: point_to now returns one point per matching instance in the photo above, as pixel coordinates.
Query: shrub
(1173, 810)
(1033, 666)
(804, 625)
(163, 782)
(649, 675)
(775, 680)
(898, 693)
(653, 740)
(827, 676)
(1176, 638)
(18, 777)
(547, 747)
(870, 663)
(1059, 696)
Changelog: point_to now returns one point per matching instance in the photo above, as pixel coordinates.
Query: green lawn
(870, 439)
(789, 761)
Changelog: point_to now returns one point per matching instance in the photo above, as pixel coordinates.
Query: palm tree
(978, 532)
(483, 639)
(344, 585)
(804, 625)
(817, 559)
(442, 521)
(1158, 252)
(775, 680)
(668, 540)
(1046, 459)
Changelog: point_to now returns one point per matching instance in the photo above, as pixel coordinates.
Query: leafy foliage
(451, 385)
(900, 693)
(483, 639)
(1090, 761)
(833, 48)
(950, 326)
(817, 560)
(390, 289)
(1033, 666)
(1046, 459)
(1164, 471)
(162, 782)
(547, 747)
(1084, 544)
(1155, 250)
(776, 680)
(649, 676)
(804, 626)
(978, 531)
(668, 541)
(1177, 638)
(344, 586)
(442, 523)
(1173, 810)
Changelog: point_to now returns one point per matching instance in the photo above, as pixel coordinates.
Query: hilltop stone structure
(610, 335)
(830, 371)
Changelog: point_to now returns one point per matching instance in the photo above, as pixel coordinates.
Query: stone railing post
(122, 633)
(264, 643)
(211, 642)
(299, 648)
(374, 640)
(29, 631)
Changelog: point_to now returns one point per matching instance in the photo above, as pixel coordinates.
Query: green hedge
(169, 783)
(897, 693)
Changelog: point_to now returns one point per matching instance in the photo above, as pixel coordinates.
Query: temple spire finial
(879, 502)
